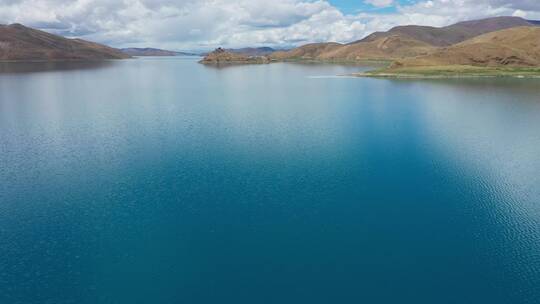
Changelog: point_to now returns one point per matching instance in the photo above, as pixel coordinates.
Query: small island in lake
(222, 56)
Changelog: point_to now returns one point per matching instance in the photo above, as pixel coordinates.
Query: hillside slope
(384, 48)
(517, 47)
(306, 52)
(21, 43)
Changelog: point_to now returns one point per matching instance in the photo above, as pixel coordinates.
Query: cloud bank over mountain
(205, 24)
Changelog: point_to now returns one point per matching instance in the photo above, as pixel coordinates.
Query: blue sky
(206, 24)
(354, 6)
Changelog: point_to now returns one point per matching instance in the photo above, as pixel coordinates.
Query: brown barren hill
(385, 48)
(311, 51)
(517, 47)
(21, 43)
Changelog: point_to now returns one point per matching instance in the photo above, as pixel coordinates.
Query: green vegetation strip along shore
(453, 71)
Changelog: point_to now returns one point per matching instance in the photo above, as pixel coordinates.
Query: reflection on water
(358, 66)
(505, 85)
(165, 181)
(47, 66)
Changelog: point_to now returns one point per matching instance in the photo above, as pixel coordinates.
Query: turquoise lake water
(165, 181)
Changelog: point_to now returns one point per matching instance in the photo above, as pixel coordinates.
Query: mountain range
(414, 45)
(153, 52)
(260, 51)
(449, 35)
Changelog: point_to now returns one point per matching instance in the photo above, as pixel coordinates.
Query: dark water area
(160, 180)
(51, 66)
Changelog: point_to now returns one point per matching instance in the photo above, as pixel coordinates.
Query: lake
(160, 180)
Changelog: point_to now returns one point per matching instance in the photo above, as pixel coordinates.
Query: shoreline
(454, 71)
(420, 76)
(417, 72)
(65, 60)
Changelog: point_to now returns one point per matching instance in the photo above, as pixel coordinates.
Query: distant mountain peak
(253, 51)
(455, 33)
(148, 51)
(17, 26)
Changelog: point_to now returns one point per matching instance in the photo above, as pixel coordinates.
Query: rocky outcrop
(221, 56)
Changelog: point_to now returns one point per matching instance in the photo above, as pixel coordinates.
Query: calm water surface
(164, 181)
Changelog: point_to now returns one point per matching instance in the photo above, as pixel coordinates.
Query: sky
(195, 25)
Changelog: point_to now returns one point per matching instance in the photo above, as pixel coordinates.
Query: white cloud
(205, 24)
